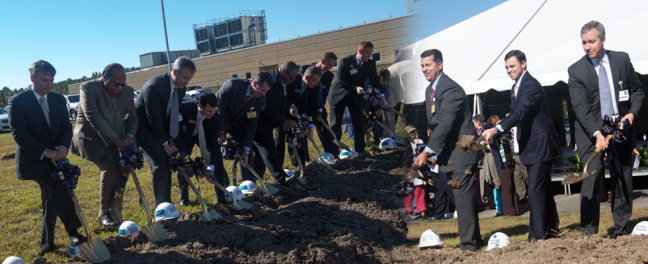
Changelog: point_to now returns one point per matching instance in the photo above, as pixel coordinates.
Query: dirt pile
(342, 216)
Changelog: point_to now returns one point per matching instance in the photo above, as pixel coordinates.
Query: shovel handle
(181, 170)
(301, 168)
(251, 170)
(141, 193)
(328, 128)
(319, 152)
(85, 224)
(600, 147)
(224, 190)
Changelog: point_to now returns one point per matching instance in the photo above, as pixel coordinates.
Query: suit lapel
(166, 93)
(240, 97)
(591, 73)
(614, 67)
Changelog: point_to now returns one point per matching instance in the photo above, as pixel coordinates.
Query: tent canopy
(547, 31)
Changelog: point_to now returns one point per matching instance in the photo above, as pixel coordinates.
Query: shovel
(206, 215)
(301, 178)
(335, 139)
(237, 205)
(401, 140)
(320, 153)
(268, 189)
(398, 113)
(153, 231)
(575, 178)
(468, 144)
(94, 250)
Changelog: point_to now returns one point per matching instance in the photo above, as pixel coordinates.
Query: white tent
(547, 31)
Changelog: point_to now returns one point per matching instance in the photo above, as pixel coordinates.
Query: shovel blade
(341, 145)
(302, 180)
(150, 234)
(159, 232)
(244, 204)
(271, 189)
(214, 214)
(100, 253)
(205, 216)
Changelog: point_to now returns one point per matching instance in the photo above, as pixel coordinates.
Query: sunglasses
(119, 84)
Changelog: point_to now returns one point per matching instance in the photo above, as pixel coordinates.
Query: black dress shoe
(78, 239)
(184, 202)
(108, 223)
(289, 180)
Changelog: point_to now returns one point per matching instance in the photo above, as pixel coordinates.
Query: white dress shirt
(434, 84)
(606, 64)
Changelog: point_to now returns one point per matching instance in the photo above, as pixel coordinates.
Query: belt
(416, 104)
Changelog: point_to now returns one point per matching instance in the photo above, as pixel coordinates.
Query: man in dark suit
(604, 83)
(538, 144)
(303, 95)
(159, 122)
(347, 91)
(200, 117)
(42, 131)
(273, 117)
(449, 117)
(239, 104)
(106, 122)
(326, 63)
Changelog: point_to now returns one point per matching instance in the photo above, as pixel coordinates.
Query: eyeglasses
(119, 84)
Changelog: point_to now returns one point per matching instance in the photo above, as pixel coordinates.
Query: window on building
(336, 63)
(376, 57)
(248, 75)
(234, 75)
(314, 64)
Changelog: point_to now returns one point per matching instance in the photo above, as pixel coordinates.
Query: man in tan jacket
(106, 122)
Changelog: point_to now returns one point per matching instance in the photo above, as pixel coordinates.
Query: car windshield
(73, 98)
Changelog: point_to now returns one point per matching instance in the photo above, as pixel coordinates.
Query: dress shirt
(198, 116)
(517, 86)
(46, 105)
(434, 84)
(606, 63)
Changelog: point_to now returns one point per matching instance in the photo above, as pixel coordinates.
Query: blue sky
(81, 37)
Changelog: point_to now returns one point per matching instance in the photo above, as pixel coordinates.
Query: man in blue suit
(537, 140)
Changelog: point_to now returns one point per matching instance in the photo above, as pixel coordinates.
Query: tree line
(59, 87)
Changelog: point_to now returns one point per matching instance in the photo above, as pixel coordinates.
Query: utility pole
(166, 38)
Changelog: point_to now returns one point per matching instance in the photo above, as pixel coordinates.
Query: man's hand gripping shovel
(182, 163)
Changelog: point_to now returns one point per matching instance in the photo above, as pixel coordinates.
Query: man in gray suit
(239, 104)
(40, 126)
(449, 117)
(106, 122)
(158, 109)
(601, 83)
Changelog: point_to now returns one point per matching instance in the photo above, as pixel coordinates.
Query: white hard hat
(641, 228)
(498, 240)
(75, 251)
(166, 211)
(236, 192)
(289, 172)
(388, 143)
(328, 158)
(429, 238)
(13, 260)
(246, 187)
(347, 154)
(128, 228)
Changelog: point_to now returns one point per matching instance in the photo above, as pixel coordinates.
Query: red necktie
(431, 98)
(247, 98)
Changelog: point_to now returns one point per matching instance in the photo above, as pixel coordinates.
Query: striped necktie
(45, 111)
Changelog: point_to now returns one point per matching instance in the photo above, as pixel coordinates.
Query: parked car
(195, 92)
(73, 103)
(135, 95)
(4, 119)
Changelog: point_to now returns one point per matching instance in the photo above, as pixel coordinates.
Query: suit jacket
(451, 120)
(306, 102)
(325, 86)
(230, 99)
(273, 113)
(98, 124)
(33, 135)
(584, 93)
(151, 105)
(189, 112)
(346, 81)
(537, 137)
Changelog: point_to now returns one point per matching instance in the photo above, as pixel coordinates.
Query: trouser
(326, 138)
(56, 202)
(111, 173)
(219, 173)
(521, 177)
(158, 162)
(466, 203)
(356, 117)
(265, 155)
(509, 196)
(419, 198)
(543, 220)
(302, 148)
(416, 115)
(441, 195)
(621, 191)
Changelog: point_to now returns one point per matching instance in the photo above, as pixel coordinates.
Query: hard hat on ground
(498, 240)
(289, 172)
(641, 228)
(345, 154)
(387, 143)
(13, 260)
(328, 158)
(246, 187)
(236, 192)
(166, 211)
(128, 228)
(75, 251)
(429, 238)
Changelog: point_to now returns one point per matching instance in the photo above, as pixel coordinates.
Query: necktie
(431, 98)
(201, 140)
(515, 90)
(604, 91)
(247, 98)
(173, 115)
(359, 65)
(45, 111)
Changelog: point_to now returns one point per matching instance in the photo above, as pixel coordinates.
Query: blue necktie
(604, 91)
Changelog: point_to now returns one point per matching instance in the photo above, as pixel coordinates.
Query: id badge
(191, 121)
(624, 96)
(433, 109)
(354, 71)
(179, 118)
(251, 115)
